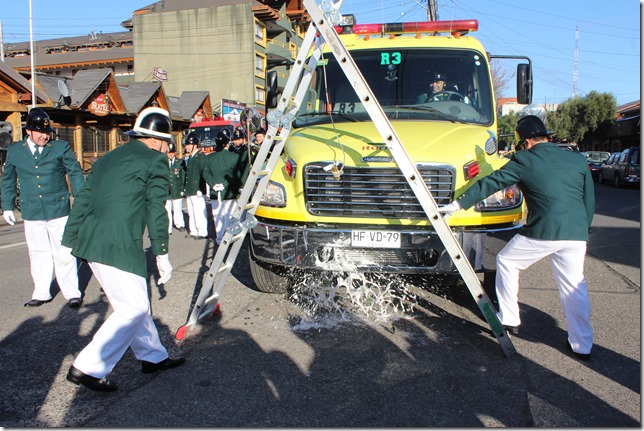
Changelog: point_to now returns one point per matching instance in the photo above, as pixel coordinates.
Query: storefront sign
(100, 106)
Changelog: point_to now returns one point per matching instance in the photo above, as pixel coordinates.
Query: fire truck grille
(369, 192)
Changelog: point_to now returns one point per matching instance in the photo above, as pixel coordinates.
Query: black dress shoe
(514, 330)
(75, 302)
(581, 356)
(37, 302)
(181, 229)
(77, 377)
(166, 364)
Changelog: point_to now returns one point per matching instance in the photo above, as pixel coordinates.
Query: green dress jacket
(124, 194)
(224, 167)
(177, 178)
(194, 174)
(558, 190)
(44, 194)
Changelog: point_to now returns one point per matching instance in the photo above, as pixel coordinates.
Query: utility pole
(32, 54)
(1, 43)
(575, 73)
(432, 10)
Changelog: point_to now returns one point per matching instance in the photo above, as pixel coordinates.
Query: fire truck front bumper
(401, 250)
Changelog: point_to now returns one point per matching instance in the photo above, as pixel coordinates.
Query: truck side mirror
(524, 84)
(271, 89)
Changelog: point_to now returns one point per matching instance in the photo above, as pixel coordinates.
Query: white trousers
(174, 207)
(43, 241)
(567, 263)
(222, 212)
(130, 325)
(197, 215)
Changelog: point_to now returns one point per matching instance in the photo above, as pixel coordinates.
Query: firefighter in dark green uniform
(40, 164)
(174, 204)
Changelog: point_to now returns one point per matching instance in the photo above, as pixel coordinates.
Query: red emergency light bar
(458, 27)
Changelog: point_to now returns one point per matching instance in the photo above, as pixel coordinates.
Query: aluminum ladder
(321, 31)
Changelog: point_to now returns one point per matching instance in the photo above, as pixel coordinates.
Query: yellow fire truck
(336, 196)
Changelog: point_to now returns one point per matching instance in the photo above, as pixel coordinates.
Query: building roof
(85, 82)
(19, 83)
(190, 102)
(50, 84)
(97, 48)
(137, 95)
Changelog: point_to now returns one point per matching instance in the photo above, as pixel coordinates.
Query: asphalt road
(267, 361)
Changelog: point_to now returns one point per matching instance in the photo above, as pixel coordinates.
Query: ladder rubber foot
(216, 310)
(181, 332)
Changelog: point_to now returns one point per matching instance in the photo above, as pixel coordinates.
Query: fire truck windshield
(207, 134)
(407, 84)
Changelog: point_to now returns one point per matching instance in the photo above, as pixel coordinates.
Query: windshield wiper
(441, 114)
(348, 117)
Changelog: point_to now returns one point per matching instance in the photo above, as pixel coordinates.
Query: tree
(581, 120)
(500, 79)
(507, 125)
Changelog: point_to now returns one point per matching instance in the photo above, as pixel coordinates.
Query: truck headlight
(274, 196)
(505, 199)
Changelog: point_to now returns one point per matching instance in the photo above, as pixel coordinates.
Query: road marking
(2, 247)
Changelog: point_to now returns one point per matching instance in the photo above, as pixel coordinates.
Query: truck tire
(267, 277)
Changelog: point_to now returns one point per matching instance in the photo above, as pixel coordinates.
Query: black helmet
(222, 139)
(438, 76)
(38, 120)
(172, 148)
(191, 139)
(531, 126)
(239, 134)
(153, 123)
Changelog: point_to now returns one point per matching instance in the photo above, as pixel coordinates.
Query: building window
(260, 95)
(95, 140)
(65, 134)
(299, 29)
(260, 65)
(293, 48)
(260, 33)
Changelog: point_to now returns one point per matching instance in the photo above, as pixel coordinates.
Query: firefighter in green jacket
(195, 189)
(225, 176)
(40, 164)
(124, 196)
(174, 204)
(560, 197)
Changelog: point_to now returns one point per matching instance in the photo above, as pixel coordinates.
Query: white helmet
(153, 122)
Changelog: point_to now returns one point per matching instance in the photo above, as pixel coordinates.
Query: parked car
(568, 146)
(595, 160)
(621, 168)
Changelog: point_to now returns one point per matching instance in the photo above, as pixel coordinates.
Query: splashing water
(334, 295)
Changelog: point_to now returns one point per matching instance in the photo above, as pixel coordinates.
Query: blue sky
(609, 41)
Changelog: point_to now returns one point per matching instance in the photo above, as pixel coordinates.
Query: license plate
(375, 239)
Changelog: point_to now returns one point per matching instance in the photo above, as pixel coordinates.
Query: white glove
(218, 187)
(164, 267)
(199, 193)
(450, 209)
(64, 257)
(9, 217)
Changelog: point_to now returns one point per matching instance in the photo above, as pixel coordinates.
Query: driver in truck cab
(440, 91)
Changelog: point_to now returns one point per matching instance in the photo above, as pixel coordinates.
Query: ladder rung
(250, 205)
(224, 267)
